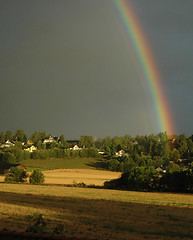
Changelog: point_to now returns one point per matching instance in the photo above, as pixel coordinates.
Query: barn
(4, 167)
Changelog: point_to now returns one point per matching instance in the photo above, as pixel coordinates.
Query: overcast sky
(66, 67)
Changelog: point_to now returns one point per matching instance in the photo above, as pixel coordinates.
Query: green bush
(39, 225)
(15, 175)
(9, 157)
(36, 177)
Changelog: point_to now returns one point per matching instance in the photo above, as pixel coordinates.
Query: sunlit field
(98, 213)
(76, 176)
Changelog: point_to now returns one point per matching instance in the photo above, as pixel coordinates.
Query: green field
(59, 163)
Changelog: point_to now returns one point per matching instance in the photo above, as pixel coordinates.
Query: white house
(120, 153)
(48, 140)
(101, 152)
(31, 149)
(7, 144)
(75, 148)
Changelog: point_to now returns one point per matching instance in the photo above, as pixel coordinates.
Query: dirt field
(71, 176)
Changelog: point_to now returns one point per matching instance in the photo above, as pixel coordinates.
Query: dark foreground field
(97, 213)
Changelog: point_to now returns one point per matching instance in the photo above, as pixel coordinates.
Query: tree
(99, 143)
(173, 168)
(87, 141)
(62, 143)
(8, 135)
(165, 152)
(19, 154)
(2, 137)
(138, 178)
(106, 142)
(15, 175)
(39, 145)
(182, 145)
(174, 155)
(9, 157)
(61, 139)
(190, 148)
(127, 143)
(37, 136)
(36, 177)
(20, 136)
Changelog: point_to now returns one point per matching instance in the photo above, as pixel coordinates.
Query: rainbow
(145, 57)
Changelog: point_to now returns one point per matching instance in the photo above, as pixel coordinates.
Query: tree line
(147, 179)
(148, 150)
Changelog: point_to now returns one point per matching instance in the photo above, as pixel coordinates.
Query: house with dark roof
(4, 167)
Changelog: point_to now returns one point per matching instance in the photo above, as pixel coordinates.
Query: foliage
(142, 179)
(16, 175)
(8, 135)
(59, 229)
(142, 151)
(87, 141)
(8, 157)
(174, 155)
(173, 168)
(39, 225)
(2, 137)
(20, 136)
(39, 154)
(36, 177)
(177, 181)
(38, 136)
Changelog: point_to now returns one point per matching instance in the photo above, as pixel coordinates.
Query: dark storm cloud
(67, 68)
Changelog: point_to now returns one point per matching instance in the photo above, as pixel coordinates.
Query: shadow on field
(101, 219)
(6, 235)
(99, 165)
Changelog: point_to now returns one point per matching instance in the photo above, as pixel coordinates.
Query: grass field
(98, 213)
(70, 171)
(75, 176)
(59, 163)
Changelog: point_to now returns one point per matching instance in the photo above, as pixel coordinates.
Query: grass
(98, 213)
(58, 163)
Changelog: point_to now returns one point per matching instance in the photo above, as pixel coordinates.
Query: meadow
(70, 171)
(93, 213)
(60, 163)
(98, 213)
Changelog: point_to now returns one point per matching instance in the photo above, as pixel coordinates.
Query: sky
(67, 67)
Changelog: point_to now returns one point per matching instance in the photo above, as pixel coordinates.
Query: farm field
(75, 176)
(60, 163)
(98, 213)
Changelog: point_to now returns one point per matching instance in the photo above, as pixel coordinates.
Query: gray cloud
(67, 67)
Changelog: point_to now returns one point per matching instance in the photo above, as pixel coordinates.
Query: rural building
(7, 144)
(121, 153)
(75, 148)
(31, 149)
(4, 167)
(48, 140)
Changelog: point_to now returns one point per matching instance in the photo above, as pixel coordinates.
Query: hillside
(98, 213)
